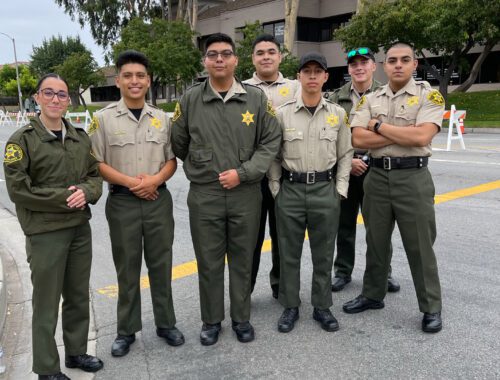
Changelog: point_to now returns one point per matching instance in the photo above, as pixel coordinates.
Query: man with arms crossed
(396, 123)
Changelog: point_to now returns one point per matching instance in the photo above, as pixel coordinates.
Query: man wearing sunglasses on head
(266, 58)
(361, 66)
(227, 135)
(397, 122)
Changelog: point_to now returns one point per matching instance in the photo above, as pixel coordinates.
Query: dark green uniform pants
(315, 207)
(267, 207)
(60, 264)
(405, 196)
(135, 224)
(223, 225)
(346, 236)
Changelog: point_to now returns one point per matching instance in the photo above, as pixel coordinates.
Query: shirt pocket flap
(201, 155)
(159, 138)
(328, 134)
(121, 139)
(292, 134)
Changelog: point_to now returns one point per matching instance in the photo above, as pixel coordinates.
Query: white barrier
(456, 118)
(77, 117)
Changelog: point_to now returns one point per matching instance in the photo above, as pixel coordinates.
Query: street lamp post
(20, 95)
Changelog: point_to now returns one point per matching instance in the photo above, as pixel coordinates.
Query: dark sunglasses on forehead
(359, 51)
(49, 94)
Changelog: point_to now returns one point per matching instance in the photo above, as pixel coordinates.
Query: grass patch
(483, 107)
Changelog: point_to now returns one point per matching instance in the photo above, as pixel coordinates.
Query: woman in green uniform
(51, 177)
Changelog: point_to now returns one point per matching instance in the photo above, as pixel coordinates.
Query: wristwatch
(377, 125)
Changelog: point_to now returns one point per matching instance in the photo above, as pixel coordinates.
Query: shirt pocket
(327, 142)
(155, 143)
(293, 140)
(405, 115)
(200, 157)
(120, 139)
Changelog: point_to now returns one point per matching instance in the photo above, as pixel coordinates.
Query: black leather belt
(391, 163)
(119, 189)
(310, 177)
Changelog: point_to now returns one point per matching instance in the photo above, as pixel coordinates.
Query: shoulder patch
(361, 102)
(177, 112)
(94, 126)
(270, 109)
(435, 97)
(346, 120)
(13, 153)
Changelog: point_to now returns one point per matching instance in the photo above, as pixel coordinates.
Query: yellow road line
(189, 268)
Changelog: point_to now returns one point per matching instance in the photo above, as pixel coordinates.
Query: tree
(53, 52)
(8, 81)
(449, 28)
(245, 68)
(80, 71)
(69, 58)
(291, 11)
(169, 47)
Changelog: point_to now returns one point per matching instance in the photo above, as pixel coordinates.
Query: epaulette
(153, 106)
(329, 101)
(291, 101)
(194, 85)
(108, 107)
(423, 83)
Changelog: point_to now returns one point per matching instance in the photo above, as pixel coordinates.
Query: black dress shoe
(244, 331)
(432, 323)
(392, 285)
(326, 319)
(172, 335)
(210, 333)
(339, 283)
(121, 345)
(276, 290)
(56, 376)
(85, 362)
(287, 320)
(361, 303)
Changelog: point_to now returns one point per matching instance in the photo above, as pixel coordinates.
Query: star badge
(284, 91)
(156, 123)
(247, 118)
(332, 120)
(13, 153)
(413, 101)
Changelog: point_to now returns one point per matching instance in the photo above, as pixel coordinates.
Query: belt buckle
(387, 163)
(310, 178)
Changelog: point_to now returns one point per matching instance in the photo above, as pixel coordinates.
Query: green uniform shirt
(414, 104)
(313, 142)
(211, 134)
(39, 168)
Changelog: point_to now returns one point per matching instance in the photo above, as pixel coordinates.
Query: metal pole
(20, 95)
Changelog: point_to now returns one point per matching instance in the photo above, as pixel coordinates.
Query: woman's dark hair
(47, 76)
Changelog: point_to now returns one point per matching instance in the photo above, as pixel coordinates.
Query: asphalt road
(380, 344)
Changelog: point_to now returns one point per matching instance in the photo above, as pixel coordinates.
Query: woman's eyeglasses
(48, 94)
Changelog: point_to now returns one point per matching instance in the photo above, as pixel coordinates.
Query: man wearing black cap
(361, 66)
(313, 165)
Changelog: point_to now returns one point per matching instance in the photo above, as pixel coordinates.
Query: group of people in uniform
(268, 147)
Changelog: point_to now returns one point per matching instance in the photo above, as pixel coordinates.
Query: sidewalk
(15, 294)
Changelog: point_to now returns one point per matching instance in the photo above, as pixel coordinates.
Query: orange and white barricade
(79, 118)
(456, 119)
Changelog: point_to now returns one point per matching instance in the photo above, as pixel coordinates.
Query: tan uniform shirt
(130, 146)
(313, 142)
(414, 104)
(279, 92)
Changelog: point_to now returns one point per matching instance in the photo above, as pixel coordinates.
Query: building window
(276, 29)
(104, 94)
(320, 30)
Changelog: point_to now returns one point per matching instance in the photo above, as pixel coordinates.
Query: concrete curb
(16, 336)
(475, 130)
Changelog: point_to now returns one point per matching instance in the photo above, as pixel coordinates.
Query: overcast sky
(29, 22)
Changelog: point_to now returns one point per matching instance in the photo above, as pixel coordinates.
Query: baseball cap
(313, 57)
(360, 52)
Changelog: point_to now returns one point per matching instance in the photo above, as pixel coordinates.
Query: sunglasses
(48, 94)
(359, 51)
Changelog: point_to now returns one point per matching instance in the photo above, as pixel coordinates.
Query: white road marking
(467, 162)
